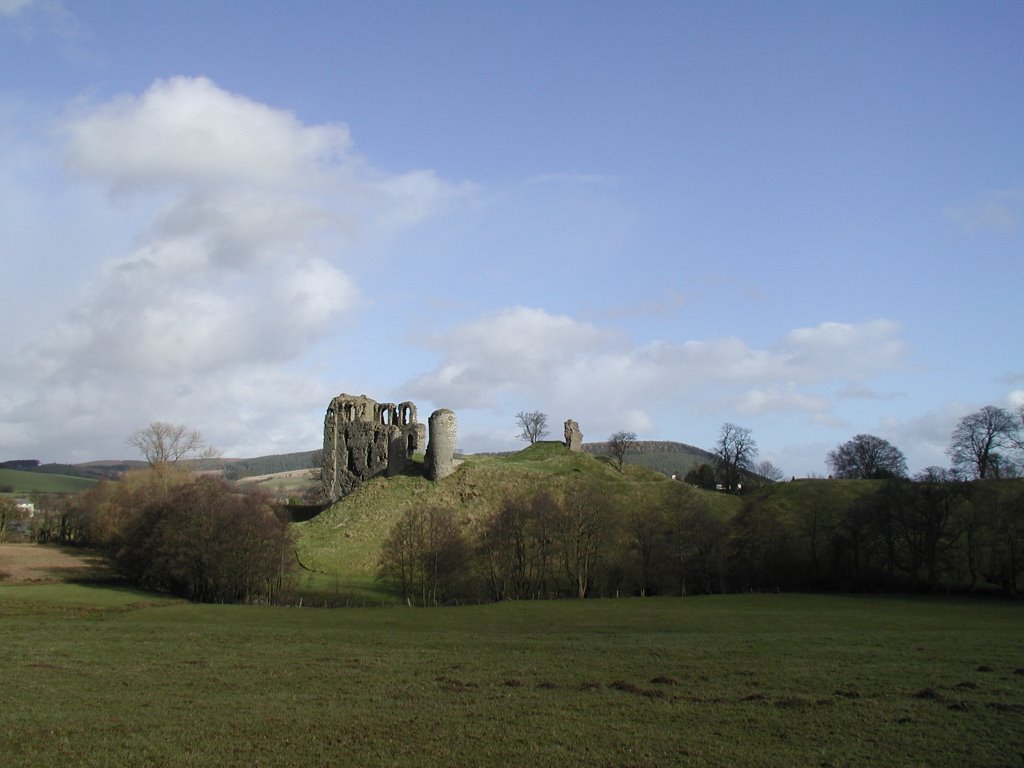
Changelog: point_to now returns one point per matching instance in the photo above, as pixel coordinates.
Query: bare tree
(619, 443)
(979, 439)
(533, 425)
(583, 528)
(162, 443)
(735, 452)
(866, 457)
(768, 471)
(424, 555)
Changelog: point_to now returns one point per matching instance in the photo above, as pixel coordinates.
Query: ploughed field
(99, 676)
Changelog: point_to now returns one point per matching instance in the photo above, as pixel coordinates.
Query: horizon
(803, 219)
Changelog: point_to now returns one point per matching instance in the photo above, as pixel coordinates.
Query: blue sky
(803, 218)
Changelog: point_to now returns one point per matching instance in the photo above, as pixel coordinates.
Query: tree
(533, 426)
(867, 457)
(189, 535)
(582, 528)
(424, 555)
(734, 452)
(9, 513)
(696, 538)
(648, 538)
(768, 471)
(979, 438)
(516, 548)
(162, 443)
(701, 476)
(929, 519)
(619, 443)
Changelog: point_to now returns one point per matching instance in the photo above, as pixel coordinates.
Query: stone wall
(573, 436)
(363, 439)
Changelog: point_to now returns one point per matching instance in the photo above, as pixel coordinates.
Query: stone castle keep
(364, 439)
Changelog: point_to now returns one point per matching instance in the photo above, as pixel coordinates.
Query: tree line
(810, 535)
(172, 531)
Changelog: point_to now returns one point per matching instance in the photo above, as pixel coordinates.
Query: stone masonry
(364, 439)
(440, 458)
(573, 436)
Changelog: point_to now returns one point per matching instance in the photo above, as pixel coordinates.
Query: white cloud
(757, 401)
(34, 16)
(518, 349)
(188, 131)
(1015, 398)
(244, 220)
(856, 390)
(924, 439)
(843, 350)
(570, 366)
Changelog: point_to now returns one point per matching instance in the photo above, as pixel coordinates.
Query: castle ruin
(364, 439)
(573, 436)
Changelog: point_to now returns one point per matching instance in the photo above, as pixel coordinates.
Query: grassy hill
(23, 482)
(341, 546)
(667, 457)
(233, 469)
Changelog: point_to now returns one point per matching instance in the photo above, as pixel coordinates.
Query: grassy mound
(339, 548)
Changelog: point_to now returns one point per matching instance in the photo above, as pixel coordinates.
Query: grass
(30, 563)
(24, 482)
(95, 677)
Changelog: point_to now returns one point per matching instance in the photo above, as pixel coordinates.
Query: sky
(803, 218)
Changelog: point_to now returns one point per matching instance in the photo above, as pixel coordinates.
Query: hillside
(19, 481)
(292, 484)
(343, 542)
(236, 469)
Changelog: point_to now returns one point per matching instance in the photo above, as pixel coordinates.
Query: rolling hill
(21, 481)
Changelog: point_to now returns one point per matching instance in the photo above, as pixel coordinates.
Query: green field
(94, 676)
(24, 482)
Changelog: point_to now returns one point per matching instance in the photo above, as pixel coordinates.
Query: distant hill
(236, 469)
(667, 457)
(232, 469)
(19, 481)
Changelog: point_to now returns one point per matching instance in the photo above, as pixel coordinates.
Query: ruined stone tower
(573, 436)
(364, 439)
(440, 458)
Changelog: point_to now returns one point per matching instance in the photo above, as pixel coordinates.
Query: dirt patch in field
(44, 564)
